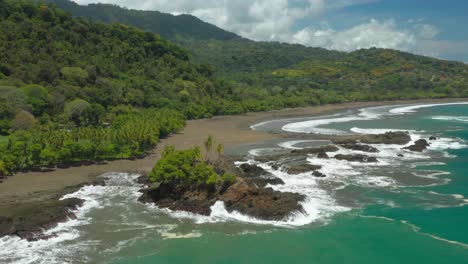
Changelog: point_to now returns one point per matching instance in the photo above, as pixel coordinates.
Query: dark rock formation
(249, 170)
(432, 138)
(302, 168)
(418, 146)
(398, 138)
(356, 158)
(323, 155)
(264, 181)
(360, 147)
(28, 222)
(318, 174)
(242, 196)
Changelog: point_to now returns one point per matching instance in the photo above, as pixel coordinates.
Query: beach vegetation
(186, 167)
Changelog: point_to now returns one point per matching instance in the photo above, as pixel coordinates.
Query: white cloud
(275, 20)
(374, 33)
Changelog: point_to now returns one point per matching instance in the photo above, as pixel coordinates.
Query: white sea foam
(463, 119)
(376, 131)
(54, 250)
(167, 235)
(447, 143)
(261, 151)
(292, 144)
(311, 126)
(412, 108)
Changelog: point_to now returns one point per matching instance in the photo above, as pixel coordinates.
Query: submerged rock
(432, 138)
(418, 146)
(323, 155)
(302, 168)
(356, 158)
(360, 147)
(318, 174)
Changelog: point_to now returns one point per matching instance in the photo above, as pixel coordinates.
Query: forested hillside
(287, 69)
(72, 89)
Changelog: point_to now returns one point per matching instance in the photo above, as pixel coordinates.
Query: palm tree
(208, 146)
(220, 150)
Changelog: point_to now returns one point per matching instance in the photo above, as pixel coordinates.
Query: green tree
(23, 121)
(209, 142)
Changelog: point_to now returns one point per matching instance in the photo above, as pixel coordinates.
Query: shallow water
(401, 210)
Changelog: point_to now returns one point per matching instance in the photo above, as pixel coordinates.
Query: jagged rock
(302, 168)
(418, 146)
(29, 222)
(323, 155)
(360, 147)
(318, 174)
(242, 196)
(356, 158)
(263, 203)
(327, 148)
(400, 155)
(249, 170)
(433, 138)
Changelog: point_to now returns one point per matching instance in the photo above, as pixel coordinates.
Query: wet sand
(227, 130)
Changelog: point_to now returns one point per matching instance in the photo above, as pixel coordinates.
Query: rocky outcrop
(30, 221)
(258, 176)
(356, 158)
(323, 155)
(249, 170)
(242, 196)
(302, 168)
(360, 147)
(398, 138)
(418, 146)
(432, 138)
(318, 174)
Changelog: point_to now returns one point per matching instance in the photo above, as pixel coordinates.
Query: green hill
(288, 69)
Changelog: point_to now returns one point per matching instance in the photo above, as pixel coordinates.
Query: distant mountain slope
(227, 52)
(291, 70)
(167, 25)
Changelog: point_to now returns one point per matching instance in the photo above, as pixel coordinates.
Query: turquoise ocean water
(406, 210)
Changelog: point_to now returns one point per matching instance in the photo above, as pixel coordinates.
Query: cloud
(375, 33)
(278, 19)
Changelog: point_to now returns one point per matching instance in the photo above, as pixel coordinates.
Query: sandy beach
(227, 130)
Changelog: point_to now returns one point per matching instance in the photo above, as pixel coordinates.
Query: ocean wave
(376, 131)
(413, 108)
(417, 229)
(292, 144)
(58, 248)
(463, 119)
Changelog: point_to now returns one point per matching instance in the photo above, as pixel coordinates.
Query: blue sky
(429, 27)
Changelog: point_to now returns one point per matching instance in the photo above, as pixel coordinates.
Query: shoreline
(25, 190)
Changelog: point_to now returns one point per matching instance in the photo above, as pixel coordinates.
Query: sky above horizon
(429, 27)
